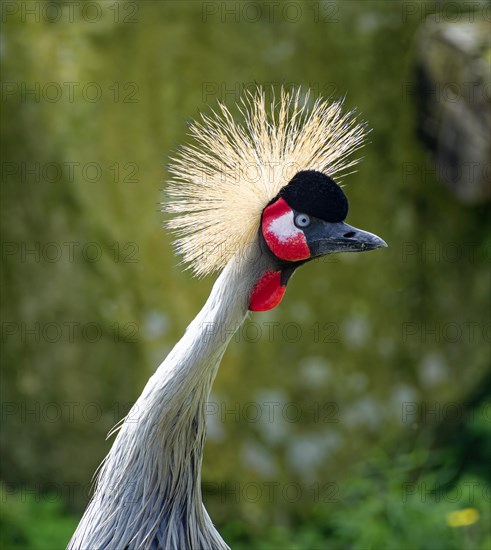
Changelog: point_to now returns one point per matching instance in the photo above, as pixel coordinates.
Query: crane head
(266, 177)
(304, 221)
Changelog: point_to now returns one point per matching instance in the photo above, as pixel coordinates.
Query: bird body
(257, 232)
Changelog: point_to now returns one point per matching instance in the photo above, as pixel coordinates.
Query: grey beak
(341, 237)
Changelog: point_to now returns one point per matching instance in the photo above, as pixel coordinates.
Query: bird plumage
(148, 488)
(223, 180)
(148, 492)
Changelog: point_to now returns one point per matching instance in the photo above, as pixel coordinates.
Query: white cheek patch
(284, 228)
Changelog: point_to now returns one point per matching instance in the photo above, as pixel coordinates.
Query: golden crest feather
(221, 183)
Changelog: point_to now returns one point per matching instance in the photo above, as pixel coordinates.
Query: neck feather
(148, 491)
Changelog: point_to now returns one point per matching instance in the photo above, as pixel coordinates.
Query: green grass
(34, 522)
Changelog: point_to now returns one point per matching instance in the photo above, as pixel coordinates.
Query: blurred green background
(357, 414)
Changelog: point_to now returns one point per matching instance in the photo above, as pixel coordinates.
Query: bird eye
(302, 220)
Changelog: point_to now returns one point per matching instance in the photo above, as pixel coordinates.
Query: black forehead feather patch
(316, 194)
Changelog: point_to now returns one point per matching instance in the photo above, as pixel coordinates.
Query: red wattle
(267, 292)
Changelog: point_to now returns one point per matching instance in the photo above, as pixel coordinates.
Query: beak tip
(373, 242)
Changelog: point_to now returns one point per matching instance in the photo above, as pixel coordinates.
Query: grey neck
(148, 492)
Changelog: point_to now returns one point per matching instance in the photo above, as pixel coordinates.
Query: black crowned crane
(254, 200)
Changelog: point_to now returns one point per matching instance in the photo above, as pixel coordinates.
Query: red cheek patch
(267, 292)
(284, 239)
